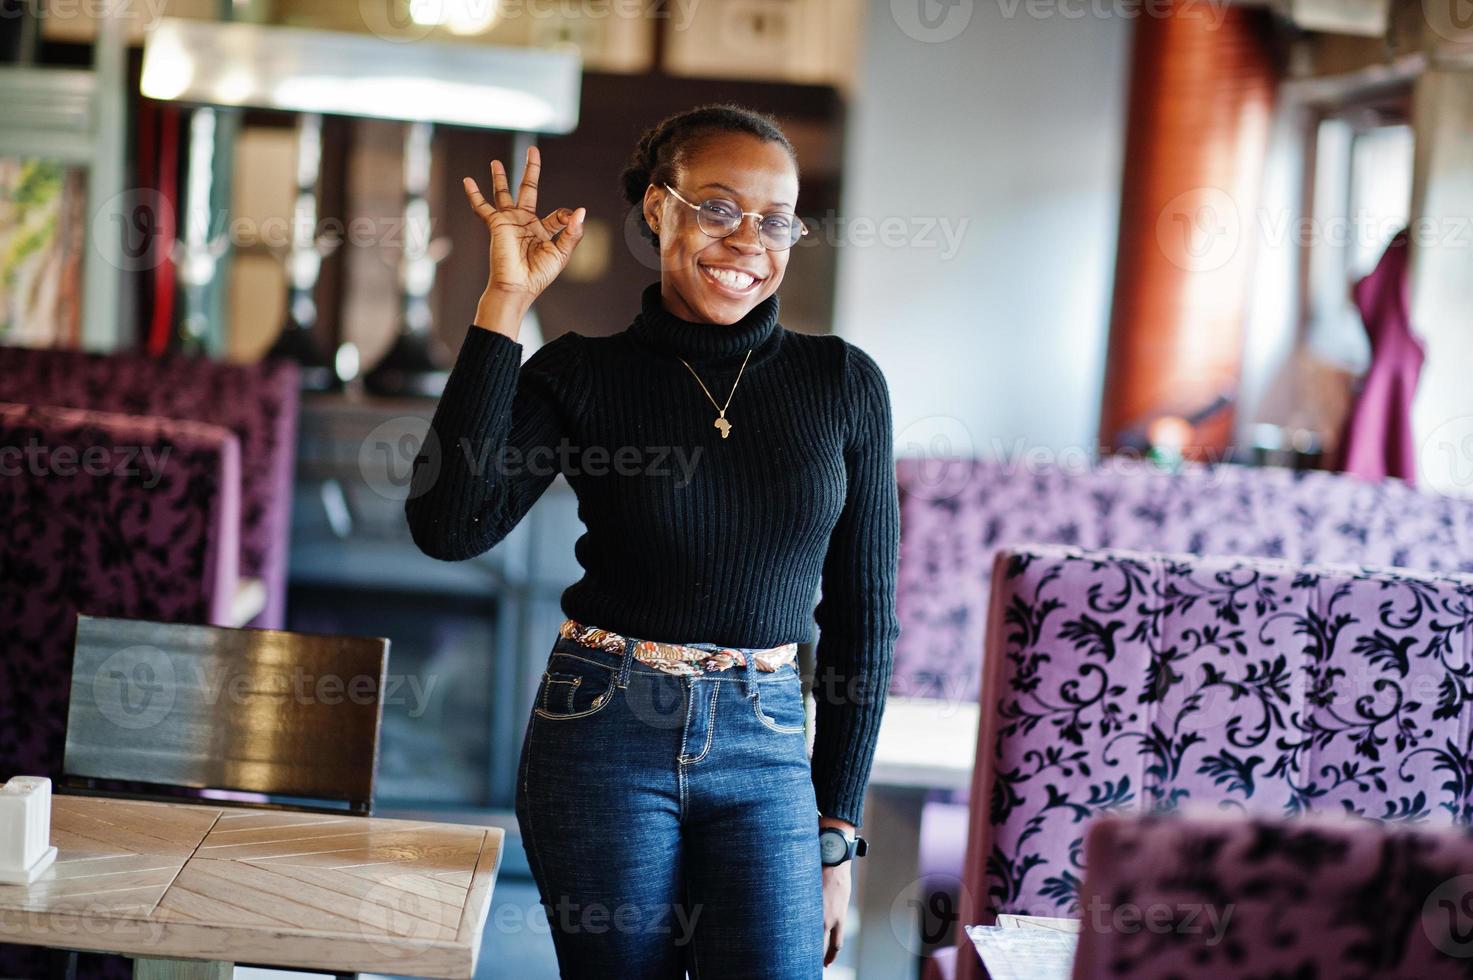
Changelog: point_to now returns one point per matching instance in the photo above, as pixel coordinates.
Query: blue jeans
(670, 822)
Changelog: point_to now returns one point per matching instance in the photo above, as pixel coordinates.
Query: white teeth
(727, 277)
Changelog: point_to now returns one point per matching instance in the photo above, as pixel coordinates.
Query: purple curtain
(1377, 441)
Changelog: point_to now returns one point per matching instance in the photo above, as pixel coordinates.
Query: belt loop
(750, 675)
(625, 661)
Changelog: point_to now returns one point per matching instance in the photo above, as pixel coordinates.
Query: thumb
(572, 234)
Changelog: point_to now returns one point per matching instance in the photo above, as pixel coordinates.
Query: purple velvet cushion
(1225, 895)
(1129, 681)
(257, 402)
(956, 514)
(110, 515)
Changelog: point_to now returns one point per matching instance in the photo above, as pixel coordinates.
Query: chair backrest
(1227, 895)
(956, 513)
(1123, 681)
(255, 711)
(258, 402)
(103, 514)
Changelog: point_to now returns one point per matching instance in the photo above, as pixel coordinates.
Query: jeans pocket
(574, 687)
(779, 705)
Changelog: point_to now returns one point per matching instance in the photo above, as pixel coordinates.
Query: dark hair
(663, 149)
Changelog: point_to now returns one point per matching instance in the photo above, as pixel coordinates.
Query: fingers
(834, 942)
(500, 191)
(527, 193)
(572, 234)
(478, 202)
(556, 221)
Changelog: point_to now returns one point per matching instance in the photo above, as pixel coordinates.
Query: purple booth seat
(257, 402)
(111, 515)
(1221, 895)
(1124, 681)
(956, 513)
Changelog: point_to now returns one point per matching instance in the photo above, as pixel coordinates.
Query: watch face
(834, 846)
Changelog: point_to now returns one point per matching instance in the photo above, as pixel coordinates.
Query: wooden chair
(236, 716)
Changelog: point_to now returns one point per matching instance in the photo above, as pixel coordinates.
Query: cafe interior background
(1075, 234)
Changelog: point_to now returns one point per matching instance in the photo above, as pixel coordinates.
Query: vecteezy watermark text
(38, 459)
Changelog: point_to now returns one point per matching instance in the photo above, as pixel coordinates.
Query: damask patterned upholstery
(956, 513)
(257, 402)
(1170, 896)
(1124, 681)
(111, 515)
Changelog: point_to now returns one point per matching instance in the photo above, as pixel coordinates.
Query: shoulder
(860, 377)
(559, 368)
(562, 355)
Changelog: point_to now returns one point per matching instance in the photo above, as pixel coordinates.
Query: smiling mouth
(730, 280)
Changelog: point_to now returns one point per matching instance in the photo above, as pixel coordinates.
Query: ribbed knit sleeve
(493, 448)
(856, 615)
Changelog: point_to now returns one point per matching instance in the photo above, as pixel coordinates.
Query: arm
(856, 613)
(494, 442)
(466, 493)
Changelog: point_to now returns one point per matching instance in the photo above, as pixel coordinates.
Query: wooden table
(924, 744)
(188, 889)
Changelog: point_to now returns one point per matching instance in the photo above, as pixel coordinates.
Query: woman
(725, 469)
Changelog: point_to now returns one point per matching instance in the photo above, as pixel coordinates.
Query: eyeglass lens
(719, 218)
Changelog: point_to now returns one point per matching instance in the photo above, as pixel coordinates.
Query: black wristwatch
(836, 847)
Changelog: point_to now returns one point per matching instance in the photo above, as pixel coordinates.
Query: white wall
(1442, 280)
(1010, 133)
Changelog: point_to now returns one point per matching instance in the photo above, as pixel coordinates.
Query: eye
(780, 225)
(722, 210)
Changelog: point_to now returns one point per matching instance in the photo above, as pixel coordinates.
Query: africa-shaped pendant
(723, 425)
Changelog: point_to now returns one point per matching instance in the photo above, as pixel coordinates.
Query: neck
(707, 343)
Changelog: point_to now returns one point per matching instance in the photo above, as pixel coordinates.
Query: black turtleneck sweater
(691, 537)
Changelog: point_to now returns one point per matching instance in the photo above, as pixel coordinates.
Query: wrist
(501, 312)
(844, 825)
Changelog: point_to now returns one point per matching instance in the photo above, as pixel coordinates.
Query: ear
(654, 202)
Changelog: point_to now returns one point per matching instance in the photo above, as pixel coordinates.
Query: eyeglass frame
(741, 216)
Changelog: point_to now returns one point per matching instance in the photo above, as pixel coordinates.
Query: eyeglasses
(719, 217)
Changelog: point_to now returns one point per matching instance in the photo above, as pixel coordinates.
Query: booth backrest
(109, 515)
(956, 514)
(257, 402)
(1221, 895)
(1124, 681)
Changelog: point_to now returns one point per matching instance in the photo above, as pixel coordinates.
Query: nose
(746, 239)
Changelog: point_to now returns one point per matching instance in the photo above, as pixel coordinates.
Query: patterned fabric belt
(680, 658)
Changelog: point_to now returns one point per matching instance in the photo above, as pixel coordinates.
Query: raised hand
(527, 253)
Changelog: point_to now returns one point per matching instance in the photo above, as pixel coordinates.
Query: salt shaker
(25, 829)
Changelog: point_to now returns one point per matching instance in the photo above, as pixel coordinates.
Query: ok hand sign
(527, 253)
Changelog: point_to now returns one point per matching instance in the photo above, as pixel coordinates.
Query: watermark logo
(1446, 456)
(1451, 20)
(1199, 230)
(398, 919)
(925, 909)
(939, 449)
(139, 220)
(386, 458)
(932, 21)
(134, 687)
(1447, 916)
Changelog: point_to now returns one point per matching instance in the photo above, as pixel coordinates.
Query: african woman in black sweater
(726, 469)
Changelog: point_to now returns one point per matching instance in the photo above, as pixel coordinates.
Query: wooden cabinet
(807, 41)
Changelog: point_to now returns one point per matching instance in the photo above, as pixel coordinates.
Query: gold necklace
(721, 422)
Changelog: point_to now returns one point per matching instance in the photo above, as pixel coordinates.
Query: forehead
(759, 172)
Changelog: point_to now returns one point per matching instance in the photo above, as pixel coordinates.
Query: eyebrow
(735, 193)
